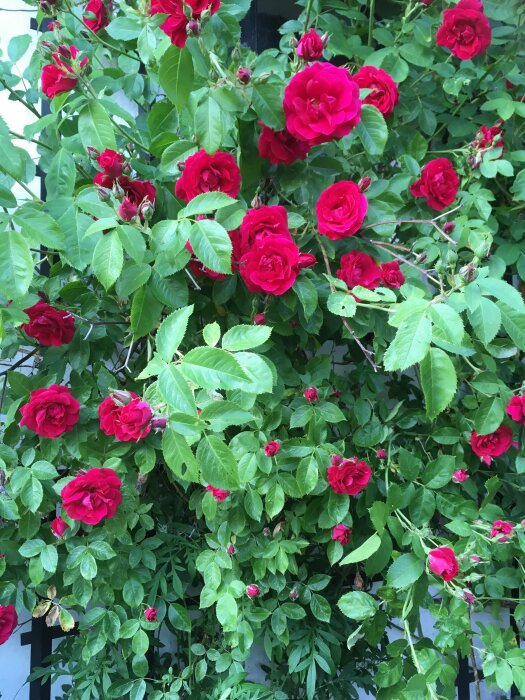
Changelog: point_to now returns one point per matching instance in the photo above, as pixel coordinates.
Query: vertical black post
(249, 31)
(41, 641)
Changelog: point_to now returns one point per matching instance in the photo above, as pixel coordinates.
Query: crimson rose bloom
(48, 325)
(341, 210)
(341, 533)
(516, 409)
(258, 223)
(58, 77)
(281, 147)
(310, 46)
(501, 527)
(465, 30)
(349, 476)
(492, 445)
(259, 319)
(219, 495)
(359, 269)
(442, 562)
(133, 421)
(391, 275)
(272, 448)
(321, 103)
(111, 163)
(109, 410)
(150, 614)
(311, 394)
(127, 210)
(8, 622)
(137, 190)
(176, 23)
(439, 183)
(384, 93)
(50, 412)
(92, 496)
(99, 9)
(58, 526)
(205, 173)
(460, 476)
(253, 591)
(271, 265)
(490, 137)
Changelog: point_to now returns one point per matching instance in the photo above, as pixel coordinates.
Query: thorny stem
(367, 353)
(29, 106)
(21, 136)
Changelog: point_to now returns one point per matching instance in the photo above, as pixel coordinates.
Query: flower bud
(150, 614)
(103, 194)
(336, 393)
(121, 397)
(58, 526)
(267, 532)
(468, 272)
(325, 39)
(468, 597)
(230, 549)
(294, 594)
(47, 48)
(118, 190)
(259, 319)
(364, 183)
(381, 453)
(193, 27)
(244, 75)
(257, 202)
(253, 591)
(311, 394)
(65, 52)
(181, 165)
(449, 227)
(54, 26)
(127, 210)
(272, 448)
(159, 423)
(92, 152)
(126, 168)
(146, 209)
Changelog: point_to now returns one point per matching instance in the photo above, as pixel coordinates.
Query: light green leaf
(171, 332)
(438, 381)
(485, 319)
(245, 337)
(514, 323)
(411, 343)
(212, 368)
(177, 454)
(372, 130)
(209, 125)
(206, 203)
(212, 245)
(60, 178)
(405, 571)
(489, 415)
(95, 127)
(357, 605)
(145, 312)
(274, 500)
(218, 465)
(176, 392)
(267, 101)
(16, 265)
(108, 259)
(176, 75)
(342, 304)
(227, 612)
(364, 551)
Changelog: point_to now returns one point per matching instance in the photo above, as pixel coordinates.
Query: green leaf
(489, 415)
(438, 473)
(206, 203)
(32, 548)
(171, 332)
(405, 571)
(503, 291)
(274, 500)
(176, 392)
(32, 494)
(227, 612)
(8, 509)
(145, 312)
(140, 643)
(49, 558)
(438, 381)
(357, 605)
(342, 304)
(222, 414)
(320, 608)
(245, 337)
(307, 293)
(176, 75)
(66, 620)
(212, 368)
(177, 454)
(16, 265)
(411, 343)
(485, 319)
(372, 130)
(267, 101)
(95, 127)
(514, 323)
(364, 551)
(60, 178)
(212, 245)
(218, 465)
(124, 28)
(108, 259)
(41, 228)
(133, 592)
(209, 125)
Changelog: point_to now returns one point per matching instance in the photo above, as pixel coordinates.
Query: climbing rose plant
(262, 342)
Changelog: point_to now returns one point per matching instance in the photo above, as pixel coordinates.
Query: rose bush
(262, 345)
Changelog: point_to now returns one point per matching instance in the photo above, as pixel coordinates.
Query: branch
(19, 362)
(432, 222)
(367, 353)
(381, 245)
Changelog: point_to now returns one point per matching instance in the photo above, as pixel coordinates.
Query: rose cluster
(178, 24)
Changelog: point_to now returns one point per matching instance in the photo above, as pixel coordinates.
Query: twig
(432, 222)
(29, 106)
(192, 278)
(474, 669)
(367, 353)
(128, 356)
(19, 362)
(379, 244)
(94, 323)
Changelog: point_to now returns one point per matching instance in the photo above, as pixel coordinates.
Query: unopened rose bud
(468, 597)
(311, 394)
(325, 38)
(92, 152)
(259, 319)
(293, 595)
(103, 194)
(364, 183)
(146, 209)
(127, 210)
(159, 423)
(54, 26)
(468, 272)
(244, 75)
(130, 147)
(421, 258)
(118, 190)
(449, 227)
(475, 559)
(126, 168)
(257, 202)
(121, 397)
(193, 27)
(336, 460)
(272, 448)
(267, 532)
(230, 549)
(336, 393)
(294, 42)
(65, 51)
(150, 614)
(381, 453)
(47, 48)
(181, 165)
(253, 591)
(58, 526)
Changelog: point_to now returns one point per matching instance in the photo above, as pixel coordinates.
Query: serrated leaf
(175, 391)
(245, 337)
(411, 343)
(485, 319)
(405, 571)
(16, 265)
(209, 125)
(364, 551)
(95, 128)
(212, 245)
(108, 259)
(438, 381)
(342, 304)
(372, 130)
(205, 203)
(176, 75)
(217, 463)
(171, 332)
(357, 605)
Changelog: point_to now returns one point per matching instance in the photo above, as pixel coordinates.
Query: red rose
(176, 23)
(109, 410)
(341, 533)
(58, 526)
(465, 30)
(281, 147)
(151, 614)
(111, 163)
(459, 476)
(500, 527)
(439, 183)
(59, 77)
(129, 422)
(384, 93)
(103, 180)
(258, 223)
(271, 265)
(137, 190)
(127, 210)
(253, 591)
(492, 445)
(48, 325)
(272, 448)
(205, 173)
(359, 269)
(259, 319)
(350, 476)
(490, 137)
(50, 412)
(311, 394)
(8, 622)
(381, 453)
(391, 275)
(442, 562)
(218, 494)
(321, 103)
(92, 496)
(341, 210)
(244, 75)
(310, 46)
(516, 409)
(99, 9)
